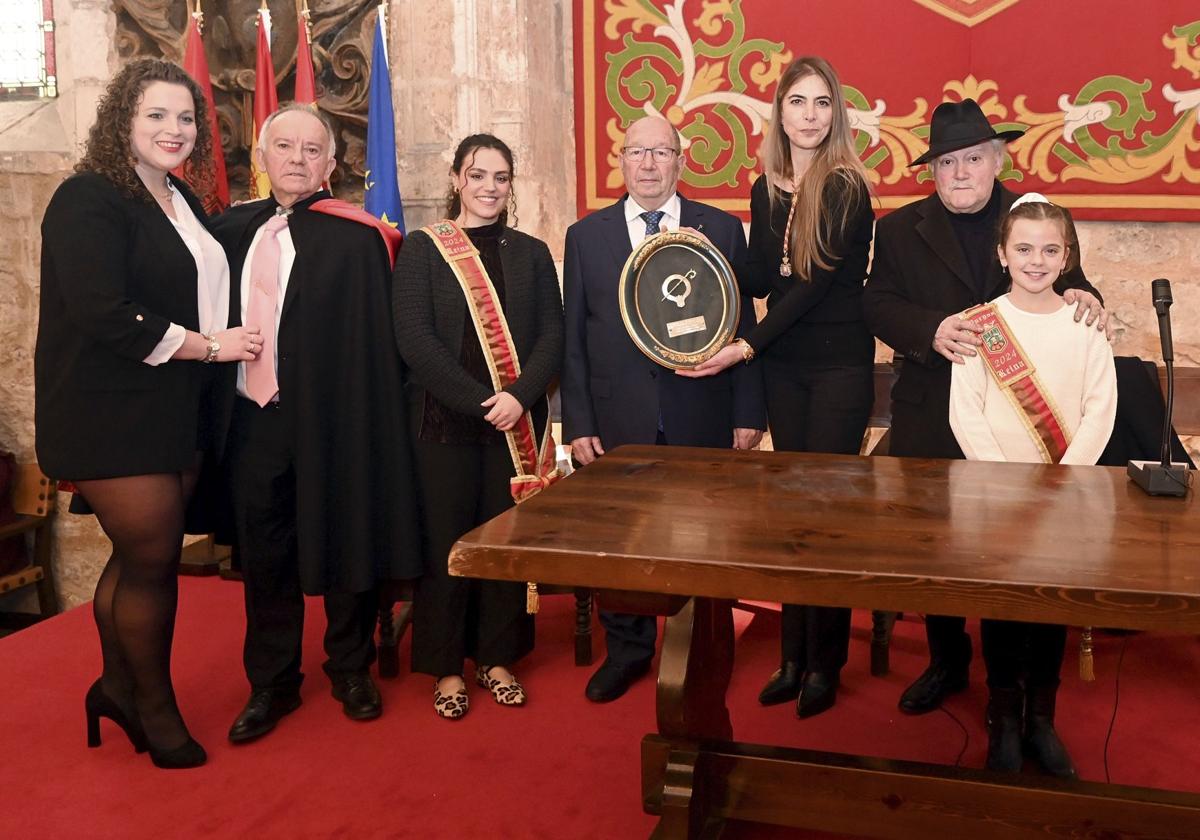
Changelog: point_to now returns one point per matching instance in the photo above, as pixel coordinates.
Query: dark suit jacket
(920, 276)
(115, 275)
(430, 311)
(613, 391)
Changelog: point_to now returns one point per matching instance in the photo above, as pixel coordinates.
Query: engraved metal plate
(679, 299)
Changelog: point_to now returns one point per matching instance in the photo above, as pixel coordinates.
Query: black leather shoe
(783, 686)
(360, 698)
(1004, 730)
(817, 694)
(264, 709)
(933, 686)
(611, 680)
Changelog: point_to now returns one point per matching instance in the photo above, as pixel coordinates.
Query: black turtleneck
(976, 234)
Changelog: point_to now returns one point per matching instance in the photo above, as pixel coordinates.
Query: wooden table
(1073, 545)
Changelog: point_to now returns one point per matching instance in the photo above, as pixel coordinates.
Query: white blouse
(212, 280)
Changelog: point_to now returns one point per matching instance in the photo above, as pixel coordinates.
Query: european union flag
(382, 196)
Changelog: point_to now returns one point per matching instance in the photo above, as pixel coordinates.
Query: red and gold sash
(535, 464)
(1014, 373)
(392, 238)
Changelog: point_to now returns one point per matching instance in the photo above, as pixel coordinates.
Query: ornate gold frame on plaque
(643, 338)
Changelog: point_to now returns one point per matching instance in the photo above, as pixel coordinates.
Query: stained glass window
(27, 49)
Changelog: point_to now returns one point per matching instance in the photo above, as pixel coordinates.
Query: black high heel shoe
(187, 755)
(96, 705)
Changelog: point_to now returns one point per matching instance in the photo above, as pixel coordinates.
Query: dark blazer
(919, 277)
(430, 312)
(613, 391)
(115, 275)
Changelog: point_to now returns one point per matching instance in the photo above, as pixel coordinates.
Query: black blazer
(610, 389)
(919, 277)
(115, 275)
(430, 311)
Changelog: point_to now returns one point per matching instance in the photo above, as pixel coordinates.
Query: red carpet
(559, 768)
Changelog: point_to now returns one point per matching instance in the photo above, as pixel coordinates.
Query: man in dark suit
(319, 468)
(934, 259)
(611, 393)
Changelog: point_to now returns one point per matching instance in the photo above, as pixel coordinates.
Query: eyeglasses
(662, 154)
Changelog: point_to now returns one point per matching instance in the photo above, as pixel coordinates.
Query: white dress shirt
(212, 280)
(287, 256)
(637, 225)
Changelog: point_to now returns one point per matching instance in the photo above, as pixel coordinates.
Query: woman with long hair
(811, 225)
(134, 303)
(473, 299)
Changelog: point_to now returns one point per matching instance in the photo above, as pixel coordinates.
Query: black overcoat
(114, 275)
(919, 277)
(340, 384)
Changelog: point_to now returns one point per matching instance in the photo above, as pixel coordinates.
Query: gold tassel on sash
(1087, 667)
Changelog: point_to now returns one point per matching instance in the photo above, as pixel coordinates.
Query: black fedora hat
(960, 125)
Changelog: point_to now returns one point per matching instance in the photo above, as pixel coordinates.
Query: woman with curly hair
(134, 307)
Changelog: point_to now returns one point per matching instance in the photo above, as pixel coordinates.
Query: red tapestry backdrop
(1107, 91)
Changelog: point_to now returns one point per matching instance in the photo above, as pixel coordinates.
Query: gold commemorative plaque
(679, 299)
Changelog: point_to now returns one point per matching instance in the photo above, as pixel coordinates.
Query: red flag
(195, 62)
(266, 102)
(306, 82)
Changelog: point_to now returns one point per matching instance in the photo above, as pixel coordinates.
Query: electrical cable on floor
(966, 735)
(1116, 701)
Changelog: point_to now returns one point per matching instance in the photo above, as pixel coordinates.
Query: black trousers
(455, 618)
(817, 408)
(1016, 650)
(263, 485)
(628, 638)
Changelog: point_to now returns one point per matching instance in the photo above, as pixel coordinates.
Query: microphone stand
(1164, 478)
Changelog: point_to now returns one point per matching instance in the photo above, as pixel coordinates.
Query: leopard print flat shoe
(450, 706)
(506, 695)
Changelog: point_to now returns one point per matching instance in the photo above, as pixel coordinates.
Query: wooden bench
(33, 500)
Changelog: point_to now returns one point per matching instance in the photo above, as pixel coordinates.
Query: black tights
(137, 594)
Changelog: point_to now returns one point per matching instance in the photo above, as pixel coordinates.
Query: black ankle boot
(1041, 740)
(1004, 729)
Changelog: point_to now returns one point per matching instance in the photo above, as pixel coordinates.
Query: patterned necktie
(652, 218)
(261, 384)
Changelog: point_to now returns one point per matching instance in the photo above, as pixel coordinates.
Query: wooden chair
(882, 621)
(33, 500)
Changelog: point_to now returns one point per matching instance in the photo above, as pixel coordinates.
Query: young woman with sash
(479, 323)
(1041, 389)
(810, 234)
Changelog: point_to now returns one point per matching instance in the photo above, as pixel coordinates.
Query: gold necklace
(785, 267)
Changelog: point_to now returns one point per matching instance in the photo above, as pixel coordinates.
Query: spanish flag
(196, 64)
(266, 102)
(306, 81)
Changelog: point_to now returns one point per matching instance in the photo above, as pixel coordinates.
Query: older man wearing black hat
(934, 259)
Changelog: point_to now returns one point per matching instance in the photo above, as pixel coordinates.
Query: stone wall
(458, 66)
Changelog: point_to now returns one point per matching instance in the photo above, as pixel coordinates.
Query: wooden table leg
(693, 675)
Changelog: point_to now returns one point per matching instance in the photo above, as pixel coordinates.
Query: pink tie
(261, 384)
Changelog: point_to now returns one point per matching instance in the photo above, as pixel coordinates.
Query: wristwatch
(747, 350)
(214, 347)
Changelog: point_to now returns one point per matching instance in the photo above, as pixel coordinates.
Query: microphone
(1163, 478)
(1160, 291)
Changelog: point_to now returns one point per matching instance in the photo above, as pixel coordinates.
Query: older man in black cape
(319, 470)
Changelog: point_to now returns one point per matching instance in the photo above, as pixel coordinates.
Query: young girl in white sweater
(1041, 389)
